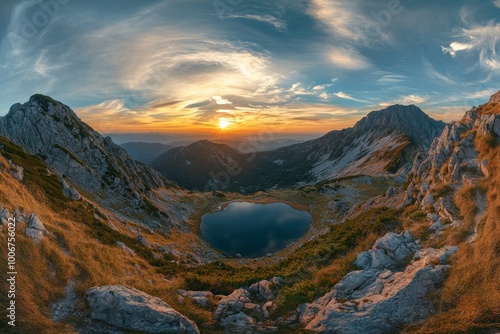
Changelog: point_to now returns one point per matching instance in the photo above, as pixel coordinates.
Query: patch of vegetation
(44, 101)
(36, 174)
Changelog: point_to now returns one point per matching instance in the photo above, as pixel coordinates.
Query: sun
(223, 123)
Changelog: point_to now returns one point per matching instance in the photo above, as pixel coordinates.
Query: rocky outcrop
(70, 192)
(125, 248)
(379, 298)
(35, 229)
(135, 310)
(389, 252)
(246, 309)
(201, 298)
(338, 207)
(453, 162)
(16, 171)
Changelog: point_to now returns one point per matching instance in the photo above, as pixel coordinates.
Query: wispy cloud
(276, 22)
(484, 40)
(406, 100)
(348, 59)
(496, 3)
(345, 96)
(391, 79)
(435, 74)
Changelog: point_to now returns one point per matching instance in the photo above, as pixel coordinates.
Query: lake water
(253, 229)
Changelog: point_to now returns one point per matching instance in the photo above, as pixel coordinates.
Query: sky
(303, 66)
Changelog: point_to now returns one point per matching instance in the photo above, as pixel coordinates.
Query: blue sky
(297, 66)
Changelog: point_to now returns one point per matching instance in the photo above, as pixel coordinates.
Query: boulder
(142, 239)
(125, 248)
(232, 304)
(262, 290)
(390, 251)
(16, 171)
(202, 298)
(135, 310)
(428, 200)
(35, 229)
(238, 323)
(70, 192)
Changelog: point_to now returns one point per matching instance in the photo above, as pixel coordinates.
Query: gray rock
(35, 229)
(70, 192)
(338, 207)
(125, 248)
(397, 246)
(238, 323)
(143, 241)
(232, 304)
(132, 309)
(428, 200)
(16, 171)
(262, 290)
(202, 298)
(391, 192)
(378, 301)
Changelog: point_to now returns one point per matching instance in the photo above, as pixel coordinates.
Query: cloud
(433, 73)
(345, 96)
(277, 23)
(496, 3)
(221, 100)
(406, 100)
(324, 95)
(456, 47)
(390, 79)
(348, 59)
(483, 40)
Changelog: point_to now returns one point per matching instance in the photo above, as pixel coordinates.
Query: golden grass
(68, 253)
(470, 299)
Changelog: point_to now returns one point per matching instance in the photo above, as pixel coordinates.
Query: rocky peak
(495, 98)
(73, 150)
(409, 120)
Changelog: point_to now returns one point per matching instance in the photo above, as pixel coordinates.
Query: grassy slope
(82, 248)
(470, 302)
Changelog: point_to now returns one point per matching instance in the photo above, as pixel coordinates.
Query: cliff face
(81, 156)
(51, 130)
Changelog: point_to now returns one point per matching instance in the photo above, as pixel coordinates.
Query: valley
(392, 208)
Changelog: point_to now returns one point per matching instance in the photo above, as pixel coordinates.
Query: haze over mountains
(382, 142)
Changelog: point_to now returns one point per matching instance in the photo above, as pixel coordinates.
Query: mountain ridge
(381, 142)
(74, 151)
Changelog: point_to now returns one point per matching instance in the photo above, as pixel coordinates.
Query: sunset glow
(223, 123)
(314, 66)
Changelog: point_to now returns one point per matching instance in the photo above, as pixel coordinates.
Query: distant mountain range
(383, 142)
(145, 152)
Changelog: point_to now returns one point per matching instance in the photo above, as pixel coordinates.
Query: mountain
(78, 154)
(145, 152)
(382, 255)
(195, 166)
(381, 143)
